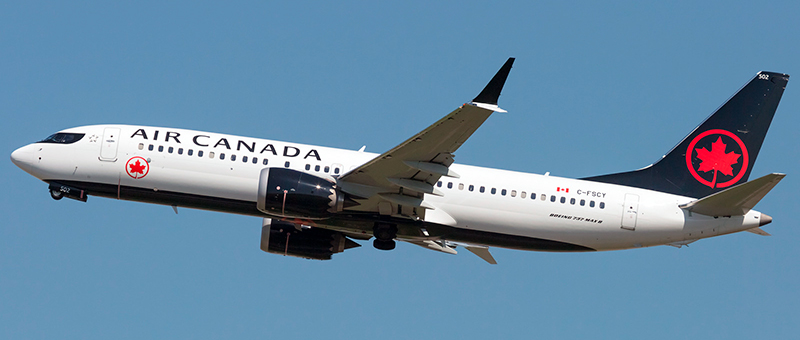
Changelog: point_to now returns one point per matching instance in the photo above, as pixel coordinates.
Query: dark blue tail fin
(721, 151)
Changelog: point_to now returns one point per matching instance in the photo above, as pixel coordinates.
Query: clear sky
(597, 87)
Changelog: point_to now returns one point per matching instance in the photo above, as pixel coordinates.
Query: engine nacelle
(294, 194)
(278, 237)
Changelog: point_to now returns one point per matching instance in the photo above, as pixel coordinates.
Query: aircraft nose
(22, 157)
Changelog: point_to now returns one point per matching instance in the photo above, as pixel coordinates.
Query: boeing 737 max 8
(315, 200)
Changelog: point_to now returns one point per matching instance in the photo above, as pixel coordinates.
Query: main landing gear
(384, 236)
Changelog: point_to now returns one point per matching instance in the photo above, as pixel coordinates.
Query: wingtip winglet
(491, 92)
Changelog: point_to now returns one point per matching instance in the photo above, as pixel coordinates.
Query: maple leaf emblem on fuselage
(137, 167)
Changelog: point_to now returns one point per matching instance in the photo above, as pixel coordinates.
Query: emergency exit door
(630, 211)
(108, 145)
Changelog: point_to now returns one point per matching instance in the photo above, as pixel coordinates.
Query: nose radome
(22, 157)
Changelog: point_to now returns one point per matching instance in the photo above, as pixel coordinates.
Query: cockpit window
(63, 138)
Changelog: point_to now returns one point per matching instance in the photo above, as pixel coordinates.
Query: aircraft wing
(402, 175)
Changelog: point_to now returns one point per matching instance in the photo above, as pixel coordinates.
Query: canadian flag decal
(560, 189)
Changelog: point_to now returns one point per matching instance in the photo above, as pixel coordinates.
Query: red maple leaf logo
(717, 160)
(137, 167)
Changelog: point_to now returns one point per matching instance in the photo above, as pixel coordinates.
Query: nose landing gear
(56, 194)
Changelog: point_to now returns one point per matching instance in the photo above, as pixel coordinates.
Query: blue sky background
(597, 88)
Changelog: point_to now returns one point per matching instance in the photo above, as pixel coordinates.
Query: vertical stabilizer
(720, 152)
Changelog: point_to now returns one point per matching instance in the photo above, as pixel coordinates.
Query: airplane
(315, 201)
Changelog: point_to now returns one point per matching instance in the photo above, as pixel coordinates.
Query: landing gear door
(108, 147)
(630, 211)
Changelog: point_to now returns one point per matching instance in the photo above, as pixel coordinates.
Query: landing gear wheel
(383, 245)
(56, 194)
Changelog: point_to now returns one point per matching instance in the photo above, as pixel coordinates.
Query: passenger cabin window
(572, 201)
(188, 152)
(327, 168)
(513, 193)
(503, 192)
(180, 151)
(449, 185)
(233, 157)
(483, 189)
(439, 184)
(552, 198)
(265, 161)
(460, 186)
(222, 156)
(602, 205)
(199, 153)
(211, 154)
(244, 159)
(150, 147)
(255, 160)
(316, 168)
(308, 166)
(591, 204)
(63, 138)
(494, 191)
(141, 146)
(522, 194)
(471, 187)
(286, 165)
(160, 148)
(583, 202)
(170, 149)
(336, 171)
(544, 197)
(563, 199)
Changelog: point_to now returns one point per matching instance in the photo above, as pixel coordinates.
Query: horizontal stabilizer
(737, 200)
(432, 245)
(758, 231)
(482, 252)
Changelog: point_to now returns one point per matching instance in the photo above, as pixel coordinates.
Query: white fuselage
(591, 214)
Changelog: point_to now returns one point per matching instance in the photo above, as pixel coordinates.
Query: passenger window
(591, 204)
(222, 156)
(513, 193)
(211, 154)
(190, 152)
(572, 201)
(199, 153)
(255, 160)
(522, 194)
(141, 146)
(180, 151)
(494, 191)
(602, 205)
(327, 168)
(503, 192)
(150, 147)
(160, 148)
(265, 161)
(449, 185)
(286, 165)
(170, 149)
(460, 186)
(244, 159)
(336, 171)
(439, 184)
(583, 202)
(544, 197)
(233, 157)
(552, 198)
(308, 166)
(316, 168)
(483, 189)
(563, 199)
(471, 187)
